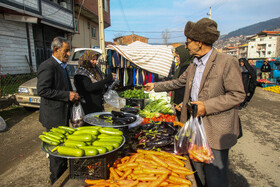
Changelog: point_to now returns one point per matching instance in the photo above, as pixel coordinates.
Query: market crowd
(216, 82)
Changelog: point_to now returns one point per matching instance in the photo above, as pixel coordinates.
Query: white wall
(13, 47)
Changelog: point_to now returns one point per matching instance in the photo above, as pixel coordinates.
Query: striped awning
(154, 58)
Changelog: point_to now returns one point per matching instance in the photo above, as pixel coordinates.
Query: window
(270, 37)
(105, 5)
(269, 52)
(269, 45)
(252, 46)
(93, 32)
(261, 39)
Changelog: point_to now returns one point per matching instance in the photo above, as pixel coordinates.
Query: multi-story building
(125, 40)
(265, 44)
(28, 27)
(242, 51)
(87, 27)
(233, 51)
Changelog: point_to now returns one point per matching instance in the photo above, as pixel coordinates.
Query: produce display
(154, 136)
(161, 117)
(137, 94)
(263, 81)
(149, 169)
(154, 108)
(275, 89)
(83, 141)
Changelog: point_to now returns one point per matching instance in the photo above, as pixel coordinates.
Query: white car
(27, 92)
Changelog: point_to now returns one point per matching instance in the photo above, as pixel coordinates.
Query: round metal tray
(92, 120)
(47, 148)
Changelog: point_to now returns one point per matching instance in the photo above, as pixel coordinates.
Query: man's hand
(73, 96)
(200, 108)
(149, 86)
(179, 107)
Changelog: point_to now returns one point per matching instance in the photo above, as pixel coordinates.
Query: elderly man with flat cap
(213, 82)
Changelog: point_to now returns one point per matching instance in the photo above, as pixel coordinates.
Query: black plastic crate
(92, 168)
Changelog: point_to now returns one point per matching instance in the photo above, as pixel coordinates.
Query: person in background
(251, 62)
(213, 82)
(248, 79)
(57, 96)
(265, 69)
(90, 82)
(183, 59)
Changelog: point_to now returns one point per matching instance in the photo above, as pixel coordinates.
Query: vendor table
(66, 181)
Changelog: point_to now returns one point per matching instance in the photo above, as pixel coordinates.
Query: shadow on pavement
(236, 179)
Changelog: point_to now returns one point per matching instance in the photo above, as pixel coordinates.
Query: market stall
(125, 147)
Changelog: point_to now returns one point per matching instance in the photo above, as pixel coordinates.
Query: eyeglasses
(188, 42)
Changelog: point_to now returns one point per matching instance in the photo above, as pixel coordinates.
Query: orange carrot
(147, 178)
(175, 166)
(183, 172)
(114, 173)
(164, 183)
(179, 180)
(157, 171)
(119, 172)
(133, 184)
(88, 181)
(158, 181)
(126, 174)
(158, 160)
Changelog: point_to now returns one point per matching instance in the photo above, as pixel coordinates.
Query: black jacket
(91, 92)
(54, 91)
(266, 68)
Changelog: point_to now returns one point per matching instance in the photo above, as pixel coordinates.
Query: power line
(155, 32)
(124, 16)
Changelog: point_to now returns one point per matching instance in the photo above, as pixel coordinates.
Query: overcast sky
(149, 18)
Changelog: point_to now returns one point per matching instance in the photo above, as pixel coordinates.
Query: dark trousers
(214, 174)
(57, 166)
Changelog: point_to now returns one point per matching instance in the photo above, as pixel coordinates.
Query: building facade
(29, 26)
(265, 44)
(27, 29)
(87, 23)
(125, 40)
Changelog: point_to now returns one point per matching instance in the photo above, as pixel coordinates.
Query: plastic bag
(111, 96)
(191, 139)
(77, 115)
(198, 147)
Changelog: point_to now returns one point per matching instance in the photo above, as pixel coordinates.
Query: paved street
(254, 161)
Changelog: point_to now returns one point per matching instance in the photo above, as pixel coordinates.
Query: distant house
(265, 44)
(233, 51)
(125, 40)
(242, 51)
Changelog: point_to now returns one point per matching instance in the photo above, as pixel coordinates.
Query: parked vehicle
(27, 92)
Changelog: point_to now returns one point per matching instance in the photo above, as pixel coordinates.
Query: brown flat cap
(204, 30)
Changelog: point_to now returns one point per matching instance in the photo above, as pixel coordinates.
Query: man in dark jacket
(56, 93)
(265, 69)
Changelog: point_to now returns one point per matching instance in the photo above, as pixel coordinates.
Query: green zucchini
(48, 141)
(89, 127)
(67, 128)
(101, 150)
(90, 151)
(70, 151)
(71, 143)
(49, 138)
(80, 137)
(52, 135)
(87, 131)
(110, 136)
(110, 140)
(57, 134)
(61, 131)
(104, 143)
(110, 131)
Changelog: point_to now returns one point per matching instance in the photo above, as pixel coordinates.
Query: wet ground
(254, 160)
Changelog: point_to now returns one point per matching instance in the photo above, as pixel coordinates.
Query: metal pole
(101, 34)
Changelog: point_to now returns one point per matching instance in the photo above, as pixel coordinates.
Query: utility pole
(132, 36)
(101, 34)
(210, 13)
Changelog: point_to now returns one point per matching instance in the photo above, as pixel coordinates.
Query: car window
(71, 69)
(77, 55)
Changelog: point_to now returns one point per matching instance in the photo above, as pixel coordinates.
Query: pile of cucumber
(83, 141)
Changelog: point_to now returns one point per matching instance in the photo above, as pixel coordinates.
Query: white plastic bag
(77, 115)
(111, 96)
